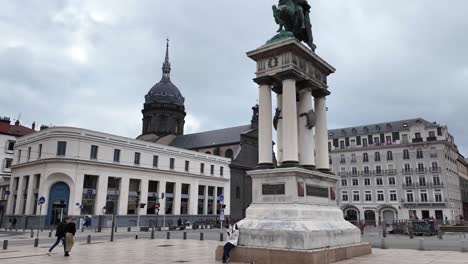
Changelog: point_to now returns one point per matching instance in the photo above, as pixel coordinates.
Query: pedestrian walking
(60, 234)
(70, 230)
(233, 236)
(14, 222)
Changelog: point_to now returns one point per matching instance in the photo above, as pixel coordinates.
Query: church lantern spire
(167, 65)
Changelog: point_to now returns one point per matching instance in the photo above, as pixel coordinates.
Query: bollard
(50, 234)
(221, 237)
(115, 229)
(36, 242)
(88, 240)
(129, 229)
(463, 246)
(82, 229)
(201, 235)
(383, 245)
(5, 244)
(185, 235)
(168, 236)
(421, 244)
(32, 233)
(152, 234)
(439, 234)
(136, 237)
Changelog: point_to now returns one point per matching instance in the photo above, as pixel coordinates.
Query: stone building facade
(8, 134)
(462, 164)
(396, 170)
(93, 173)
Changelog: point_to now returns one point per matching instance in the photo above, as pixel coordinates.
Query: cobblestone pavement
(192, 251)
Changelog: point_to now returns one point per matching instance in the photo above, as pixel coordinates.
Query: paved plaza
(192, 251)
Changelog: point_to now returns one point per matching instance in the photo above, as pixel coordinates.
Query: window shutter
(347, 141)
(382, 138)
(335, 142)
(439, 131)
(371, 141)
(396, 136)
(358, 140)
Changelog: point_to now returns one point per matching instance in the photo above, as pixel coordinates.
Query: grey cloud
(394, 59)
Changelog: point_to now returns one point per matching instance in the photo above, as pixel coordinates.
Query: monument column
(321, 134)
(289, 124)
(265, 134)
(306, 135)
(279, 129)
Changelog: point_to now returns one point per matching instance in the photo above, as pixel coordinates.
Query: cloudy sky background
(89, 63)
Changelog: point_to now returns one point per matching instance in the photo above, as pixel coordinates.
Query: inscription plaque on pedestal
(317, 191)
(273, 189)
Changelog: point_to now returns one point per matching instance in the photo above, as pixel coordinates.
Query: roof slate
(386, 127)
(200, 140)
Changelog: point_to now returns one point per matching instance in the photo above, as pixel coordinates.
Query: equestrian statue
(293, 16)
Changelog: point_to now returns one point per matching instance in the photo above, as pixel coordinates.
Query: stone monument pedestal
(294, 218)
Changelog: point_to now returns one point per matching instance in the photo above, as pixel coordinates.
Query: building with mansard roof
(396, 170)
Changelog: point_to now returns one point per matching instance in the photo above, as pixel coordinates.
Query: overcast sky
(89, 63)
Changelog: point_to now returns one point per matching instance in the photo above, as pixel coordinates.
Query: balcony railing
(417, 140)
(407, 171)
(428, 202)
(431, 138)
(409, 185)
(435, 170)
(391, 172)
(436, 185)
(418, 185)
(421, 170)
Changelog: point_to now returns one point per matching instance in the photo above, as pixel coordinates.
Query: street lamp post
(114, 212)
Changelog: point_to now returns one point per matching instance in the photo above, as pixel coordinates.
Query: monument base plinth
(257, 255)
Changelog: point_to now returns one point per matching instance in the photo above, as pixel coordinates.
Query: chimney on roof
(33, 127)
(43, 127)
(17, 123)
(5, 120)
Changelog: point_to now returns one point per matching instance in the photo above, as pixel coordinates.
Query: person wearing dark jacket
(60, 234)
(70, 230)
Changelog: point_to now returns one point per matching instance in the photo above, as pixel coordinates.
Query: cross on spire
(167, 65)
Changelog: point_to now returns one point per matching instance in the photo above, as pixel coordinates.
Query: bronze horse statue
(293, 16)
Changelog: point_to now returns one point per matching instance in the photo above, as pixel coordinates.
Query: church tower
(164, 110)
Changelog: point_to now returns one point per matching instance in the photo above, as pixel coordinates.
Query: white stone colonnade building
(91, 173)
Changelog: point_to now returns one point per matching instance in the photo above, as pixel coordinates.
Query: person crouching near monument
(233, 237)
(70, 230)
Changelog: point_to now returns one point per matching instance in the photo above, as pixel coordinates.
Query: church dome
(165, 91)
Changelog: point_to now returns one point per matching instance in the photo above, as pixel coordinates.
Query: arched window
(419, 153)
(237, 192)
(406, 154)
(365, 157)
(229, 154)
(377, 156)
